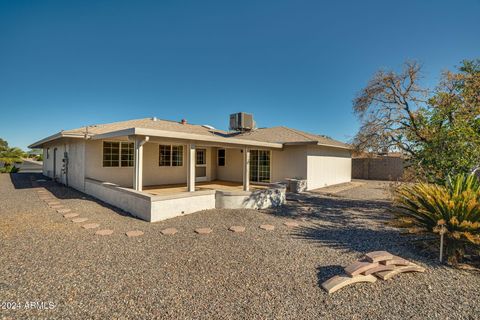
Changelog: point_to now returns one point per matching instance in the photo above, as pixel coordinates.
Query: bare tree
(388, 108)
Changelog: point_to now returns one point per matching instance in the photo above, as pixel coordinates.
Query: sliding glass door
(260, 165)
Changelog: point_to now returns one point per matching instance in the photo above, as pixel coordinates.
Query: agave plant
(452, 209)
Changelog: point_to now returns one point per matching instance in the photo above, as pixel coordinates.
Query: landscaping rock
(134, 233)
(203, 230)
(104, 232)
(169, 231)
(267, 227)
(90, 226)
(291, 224)
(237, 228)
(70, 215)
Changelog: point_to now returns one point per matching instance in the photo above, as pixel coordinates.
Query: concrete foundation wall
(259, 199)
(167, 207)
(129, 200)
(384, 168)
(328, 166)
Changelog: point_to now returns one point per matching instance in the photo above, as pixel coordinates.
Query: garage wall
(327, 166)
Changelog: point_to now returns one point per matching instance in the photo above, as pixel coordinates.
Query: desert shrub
(453, 208)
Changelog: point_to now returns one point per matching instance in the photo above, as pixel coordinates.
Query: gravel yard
(255, 274)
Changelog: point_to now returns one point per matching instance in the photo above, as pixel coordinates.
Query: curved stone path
(67, 213)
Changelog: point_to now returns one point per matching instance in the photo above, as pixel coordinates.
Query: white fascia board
(184, 136)
(59, 135)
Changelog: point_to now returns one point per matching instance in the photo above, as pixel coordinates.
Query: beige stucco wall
(94, 169)
(232, 171)
(291, 162)
(327, 166)
(153, 174)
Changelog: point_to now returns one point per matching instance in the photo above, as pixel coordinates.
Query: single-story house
(157, 169)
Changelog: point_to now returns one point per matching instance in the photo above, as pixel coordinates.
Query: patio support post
(246, 169)
(190, 167)
(138, 163)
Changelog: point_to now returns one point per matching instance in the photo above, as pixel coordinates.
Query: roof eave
(39, 144)
(184, 136)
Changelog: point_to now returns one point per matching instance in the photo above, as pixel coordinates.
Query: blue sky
(66, 64)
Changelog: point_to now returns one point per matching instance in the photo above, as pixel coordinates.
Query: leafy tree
(9, 156)
(438, 130)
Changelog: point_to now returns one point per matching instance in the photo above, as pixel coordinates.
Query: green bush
(453, 209)
(9, 169)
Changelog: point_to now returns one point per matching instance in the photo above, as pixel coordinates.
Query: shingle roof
(146, 123)
(280, 134)
(288, 135)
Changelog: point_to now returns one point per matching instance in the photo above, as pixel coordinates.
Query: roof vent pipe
(154, 118)
(184, 121)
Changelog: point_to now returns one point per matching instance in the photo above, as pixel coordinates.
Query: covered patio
(173, 174)
(219, 185)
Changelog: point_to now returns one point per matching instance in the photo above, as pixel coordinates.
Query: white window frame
(258, 160)
(170, 162)
(119, 154)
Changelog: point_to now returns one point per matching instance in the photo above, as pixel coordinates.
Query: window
(221, 157)
(201, 158)
(116, 154)
(260, 165)
(170, 156)
(48, 153)
(127, 152)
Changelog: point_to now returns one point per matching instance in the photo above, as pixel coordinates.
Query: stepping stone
(380, 268)
(267, 227)
(65, 210)
(377, 256)
(169, 231)
(78, 220)
(53, 203)
(203, 230)
(237, 229)
(70, 215)
(134, 233)
(104, 232)
(291, 224)
(338, 282)
(359, 267)
(90, 226)
(385, 275)
(57, 206)
(397, 261)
